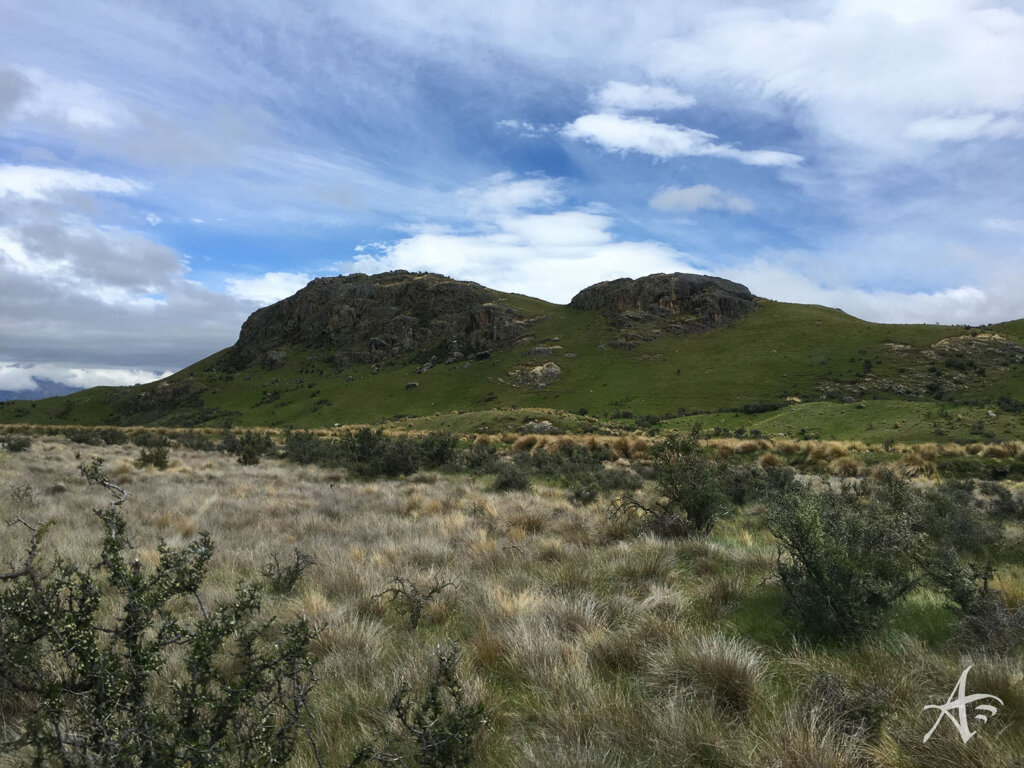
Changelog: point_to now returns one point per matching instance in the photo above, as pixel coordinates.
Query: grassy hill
(781, 368)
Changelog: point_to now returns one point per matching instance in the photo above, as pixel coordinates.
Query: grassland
(586, 648)
(813, 364)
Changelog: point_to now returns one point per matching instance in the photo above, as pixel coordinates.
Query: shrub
(86, 655)
(371, 453)
(281, 579)
(511, 477)
(437, 731)
(153, 457)
(410, 598)
(17, 443)
(248, 447)
(306, 448)
(437, 449)
(690, 500)
(844, 559)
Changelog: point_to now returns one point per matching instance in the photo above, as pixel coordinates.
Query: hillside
(362, 349)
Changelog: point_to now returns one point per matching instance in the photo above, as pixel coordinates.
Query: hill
(413, 348)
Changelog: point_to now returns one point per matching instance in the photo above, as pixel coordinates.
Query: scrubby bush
(955, 518)
(106, 665)
(371, 453)
(195, 440)
(16, 443)
(689, 498)
(437, 449)
(845, 558)
(248, 446)
(153, 457)
(439, 730)
(511, 477)
(281, 579)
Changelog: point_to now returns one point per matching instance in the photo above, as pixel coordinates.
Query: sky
(166, 168)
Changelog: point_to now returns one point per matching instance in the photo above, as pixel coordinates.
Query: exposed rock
(537, 377)
(691, 303)
(544, 427)
(274, 359)
(372, 319)
(412, 385)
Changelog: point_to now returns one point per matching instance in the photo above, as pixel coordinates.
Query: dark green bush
(86, 675)
(250, 445)
(689, 498)
(17, 443)
(845, 558)
(196, 440)
(153, 457)
(437, 449)
(511, 477)
(306, 448)
(371, 453)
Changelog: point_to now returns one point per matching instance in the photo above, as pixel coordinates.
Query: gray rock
(693, 303)
(367, 319)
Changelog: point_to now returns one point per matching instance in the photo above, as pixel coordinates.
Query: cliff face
(689, 303)
(379, 319)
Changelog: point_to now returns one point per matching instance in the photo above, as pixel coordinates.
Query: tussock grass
(586, 649)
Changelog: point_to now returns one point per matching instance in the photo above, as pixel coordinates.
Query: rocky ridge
(666, 303)
(377, 319)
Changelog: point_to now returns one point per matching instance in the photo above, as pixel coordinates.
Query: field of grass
(780, 354)
(585, 647)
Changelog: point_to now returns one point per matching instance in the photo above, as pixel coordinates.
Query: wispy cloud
(626, 97)
(707, 196)
(268, 288)
(616, 133)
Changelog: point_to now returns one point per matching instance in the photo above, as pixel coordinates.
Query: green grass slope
(784, 354)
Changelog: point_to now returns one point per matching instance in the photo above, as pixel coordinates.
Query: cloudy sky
(167, 167)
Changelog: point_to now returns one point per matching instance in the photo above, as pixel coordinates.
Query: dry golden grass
(587, 649)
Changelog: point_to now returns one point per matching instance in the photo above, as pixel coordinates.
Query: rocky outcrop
(676, 303)
(374, 319)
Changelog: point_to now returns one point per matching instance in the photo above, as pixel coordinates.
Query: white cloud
(268, 288)
(697, 197)
(990, 300)
(152, 219)
(625, 97)
(546, 255)
(76, 103)
(504, 193)
(873, 74)
(615, 133)
(33, 182)
(19, 377)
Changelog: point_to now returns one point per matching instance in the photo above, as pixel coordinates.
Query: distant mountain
(44, 388)
(360, 349)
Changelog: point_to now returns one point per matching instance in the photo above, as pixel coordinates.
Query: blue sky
(166, 167)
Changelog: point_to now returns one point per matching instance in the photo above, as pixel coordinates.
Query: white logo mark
(957, 702)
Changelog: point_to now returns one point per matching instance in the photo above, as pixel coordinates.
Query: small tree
(845, 558)
(155, 684)
(689, 500)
